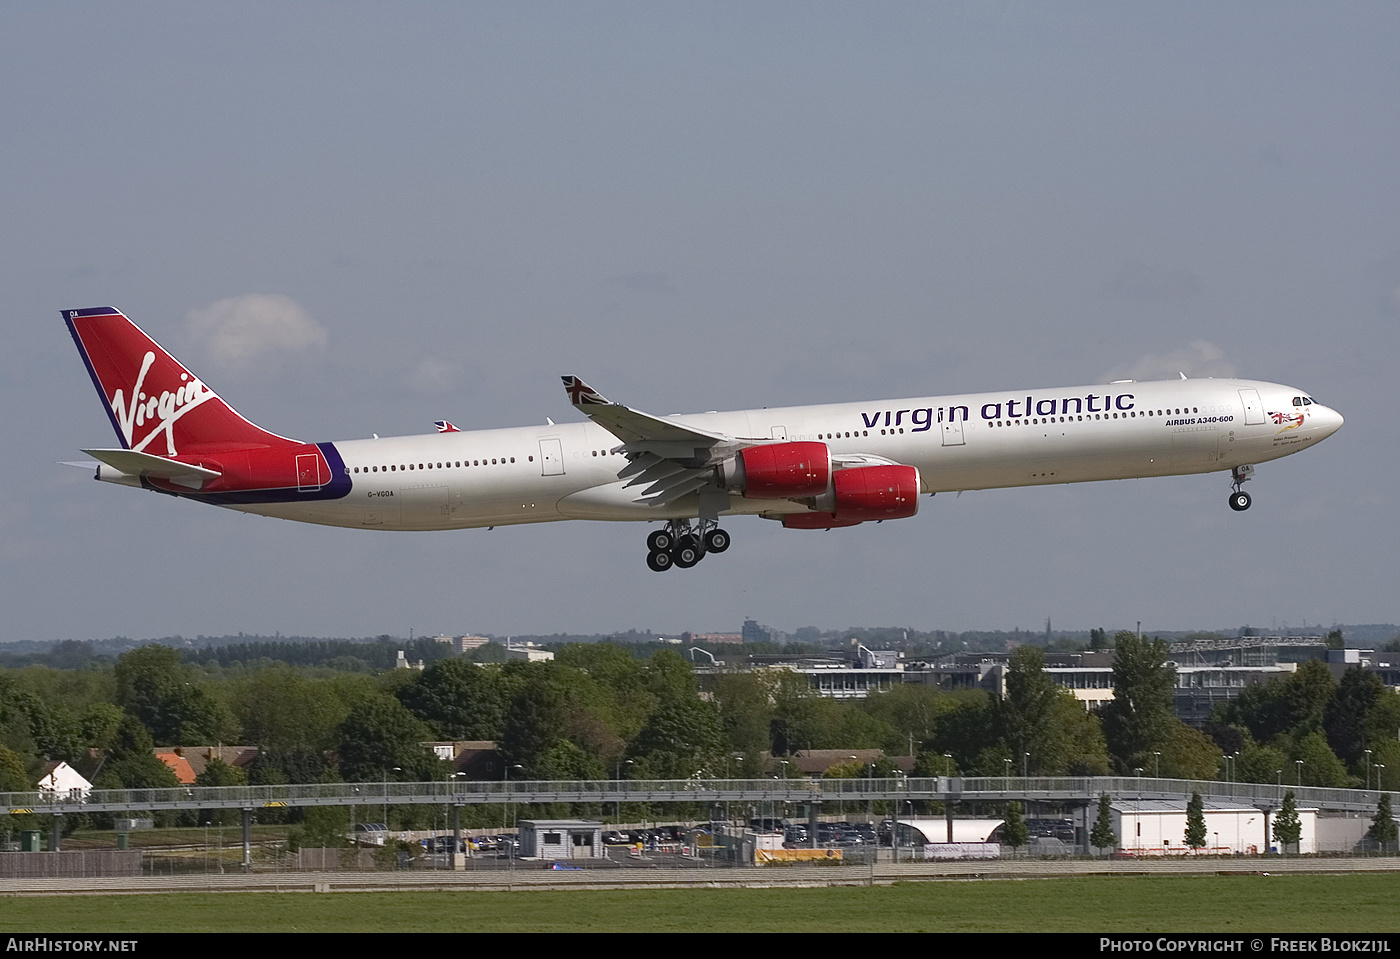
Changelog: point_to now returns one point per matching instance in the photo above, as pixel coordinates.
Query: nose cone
(1328, 420)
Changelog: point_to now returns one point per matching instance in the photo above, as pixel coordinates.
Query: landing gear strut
(680, 543)
(1239, 499)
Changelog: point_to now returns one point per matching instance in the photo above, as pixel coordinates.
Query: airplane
(809, 467)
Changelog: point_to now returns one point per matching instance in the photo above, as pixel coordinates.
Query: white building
(528, 651)
(561, 839)
(62, 781)
(1157, 827)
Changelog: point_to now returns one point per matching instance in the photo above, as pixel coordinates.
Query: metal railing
(979, 789)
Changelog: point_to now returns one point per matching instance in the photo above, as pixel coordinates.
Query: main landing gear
(1239, 499)
(681, 544)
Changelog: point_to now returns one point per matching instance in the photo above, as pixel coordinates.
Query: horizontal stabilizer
(133, 463)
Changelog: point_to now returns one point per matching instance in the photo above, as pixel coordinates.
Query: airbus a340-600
(809, 467)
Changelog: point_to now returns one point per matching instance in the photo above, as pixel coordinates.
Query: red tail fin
(156, 405)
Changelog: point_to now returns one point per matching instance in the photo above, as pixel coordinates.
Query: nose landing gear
(683, 545)
(1239, 499)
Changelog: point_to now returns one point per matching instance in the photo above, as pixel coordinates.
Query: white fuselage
(460, 480)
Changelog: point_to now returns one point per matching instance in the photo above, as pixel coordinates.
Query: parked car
(371, 833)
(445, 844)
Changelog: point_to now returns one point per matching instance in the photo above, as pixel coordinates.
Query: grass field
(1263, 904)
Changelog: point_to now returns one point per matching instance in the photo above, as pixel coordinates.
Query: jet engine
(859, 495)
(779, 471)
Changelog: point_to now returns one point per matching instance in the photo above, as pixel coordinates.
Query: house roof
(195, 759)
(178, 765)
(814, 762)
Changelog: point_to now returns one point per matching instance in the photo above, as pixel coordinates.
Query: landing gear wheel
(659, 561)
(687, 552)
(716, 541)
(660, 541)
(1239, 501)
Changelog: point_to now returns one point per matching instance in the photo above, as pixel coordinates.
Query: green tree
(1188, 753)
(566, 761)
(219, 773)
(682, 739)
(930, 764)
(1195, 822)
(1102, 836)
(1383, 829)
(967, 729)
(380, 735)
(459, 699)
(131, 763)
(909, 709)
(322, 827)
(1361, 712)
(1138, 719)
(1082, 749)
(1026, 717)
(1098, 639)
(98, 725)
(1291, 706)
(1259, 764)
(1321, 767)
(534, 724)
(1288, 828)
(157, 689)
(293, 719)
(746, 713)
(1014, 831)
(13, 776)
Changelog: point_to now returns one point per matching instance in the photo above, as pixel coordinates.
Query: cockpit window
(1307, 401)
(1297, 401)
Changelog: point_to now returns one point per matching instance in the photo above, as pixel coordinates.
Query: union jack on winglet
(581, 394)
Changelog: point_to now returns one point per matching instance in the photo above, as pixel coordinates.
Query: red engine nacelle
(780, 471)
(863, 494)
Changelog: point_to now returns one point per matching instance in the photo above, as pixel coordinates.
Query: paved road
(536, 876)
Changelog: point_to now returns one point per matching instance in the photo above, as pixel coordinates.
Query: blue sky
(701, 206)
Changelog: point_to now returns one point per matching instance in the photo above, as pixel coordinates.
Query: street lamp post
(397, 769)
(617, 775)
(505, 806)
(1299, 764)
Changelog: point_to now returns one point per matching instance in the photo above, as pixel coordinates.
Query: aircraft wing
(634, 427)
(667, 459)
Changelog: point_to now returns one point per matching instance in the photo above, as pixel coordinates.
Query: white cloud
(1199, 358)
(432, 375)
(241, 330)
